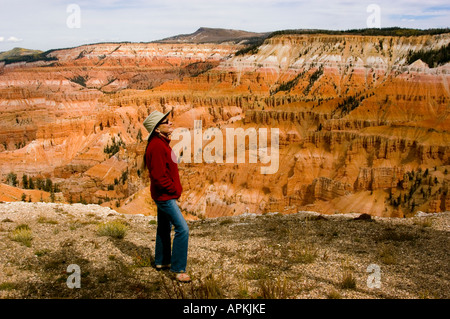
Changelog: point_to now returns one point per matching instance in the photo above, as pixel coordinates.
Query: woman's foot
(162, 267)
(182, 277)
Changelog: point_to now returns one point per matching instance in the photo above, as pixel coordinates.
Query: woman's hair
(144, 164)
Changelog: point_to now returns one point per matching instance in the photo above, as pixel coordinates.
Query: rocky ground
(303, 255)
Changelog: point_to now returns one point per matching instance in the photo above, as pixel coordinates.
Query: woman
(165, 189)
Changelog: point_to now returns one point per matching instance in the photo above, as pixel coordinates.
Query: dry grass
(302, 253)
(387, 254)
(424, 222)
(45, 220)
(348, 281)
(7, 286)
(278, 288)
(334, 294)
(208, 287)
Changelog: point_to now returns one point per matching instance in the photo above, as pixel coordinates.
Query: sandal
(162, 267)
(182, 277)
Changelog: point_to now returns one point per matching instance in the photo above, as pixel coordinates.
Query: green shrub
(22, 234)
(115, 229)
(7, 286)
(258, 273)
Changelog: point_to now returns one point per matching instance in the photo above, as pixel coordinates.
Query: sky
(53, 24)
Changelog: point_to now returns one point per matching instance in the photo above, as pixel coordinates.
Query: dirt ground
(272, 256)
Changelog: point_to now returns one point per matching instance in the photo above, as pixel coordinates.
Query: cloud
(10, 39)
(43, 24)
(13, 39)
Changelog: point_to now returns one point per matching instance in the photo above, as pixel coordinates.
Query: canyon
(360, 129)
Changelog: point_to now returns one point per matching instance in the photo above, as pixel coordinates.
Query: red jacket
(164, 178)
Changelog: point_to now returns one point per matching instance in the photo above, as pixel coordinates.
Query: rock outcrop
(357, 124)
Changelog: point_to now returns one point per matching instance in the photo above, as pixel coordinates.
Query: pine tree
(30, 183)
(48, 185)
(12, 179)
(25, 181)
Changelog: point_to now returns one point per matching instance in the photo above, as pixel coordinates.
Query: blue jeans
(169, 214)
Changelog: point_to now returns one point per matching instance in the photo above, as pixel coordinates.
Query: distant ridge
(24, 55)
(219, 35)
(215, 35)
(391, 31)
(16, 52)
(251, 40)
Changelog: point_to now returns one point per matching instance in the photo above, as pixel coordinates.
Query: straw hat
(152, 121)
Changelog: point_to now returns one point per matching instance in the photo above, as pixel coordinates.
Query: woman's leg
(180, 242)
(163, 241)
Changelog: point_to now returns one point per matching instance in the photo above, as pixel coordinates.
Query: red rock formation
(354, 121)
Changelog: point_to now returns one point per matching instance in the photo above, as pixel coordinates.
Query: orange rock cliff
(360, 130)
